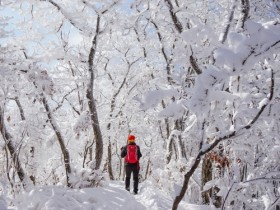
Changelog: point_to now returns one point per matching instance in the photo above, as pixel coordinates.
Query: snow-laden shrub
(170, 178)
(85, 177)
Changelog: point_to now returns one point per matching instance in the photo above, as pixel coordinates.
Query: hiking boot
(135, 192)
(127, 189)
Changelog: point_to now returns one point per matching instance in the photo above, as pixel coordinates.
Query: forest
(197, 83)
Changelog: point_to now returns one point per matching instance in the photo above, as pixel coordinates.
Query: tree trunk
(110, 170)
(184, 188)
(91, 101)
(179, 126)
(169, 150)
(12, 150)
(245, 9)
(206, 176)
(147, 169)
(60, 139)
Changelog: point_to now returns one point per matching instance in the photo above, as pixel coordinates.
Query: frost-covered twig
(64, 98)
(248, 181)
(227, 194)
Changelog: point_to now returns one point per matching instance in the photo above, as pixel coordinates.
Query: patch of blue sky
(12, 24)
(8, 19)
(126, 6)
(214, 7)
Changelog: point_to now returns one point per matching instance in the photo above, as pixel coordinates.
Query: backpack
(131, 156)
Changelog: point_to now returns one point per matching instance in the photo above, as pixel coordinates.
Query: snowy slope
(109, 197)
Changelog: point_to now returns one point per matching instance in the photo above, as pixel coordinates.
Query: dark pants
(132, 168)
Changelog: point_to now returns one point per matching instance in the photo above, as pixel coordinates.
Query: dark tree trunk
(147, 169)
(170, 151)
(12, 149)
(91, 101)
(206, 176)
(245, 9)
(66, 156)
(110, 170)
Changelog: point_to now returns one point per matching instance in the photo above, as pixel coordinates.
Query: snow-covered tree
(195, 81)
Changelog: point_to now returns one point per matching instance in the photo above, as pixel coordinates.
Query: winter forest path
(148, 198)
(111, 196)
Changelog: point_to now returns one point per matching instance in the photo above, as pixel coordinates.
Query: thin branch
(225, 35)
(256, 54)
(59, 8)
(64, 98)
(248, 181)
(227, 195)
(263, 107)
(194, 64)
(167, 60)
(19, 107)
(275, 202)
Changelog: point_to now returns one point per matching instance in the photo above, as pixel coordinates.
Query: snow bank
(109, 197)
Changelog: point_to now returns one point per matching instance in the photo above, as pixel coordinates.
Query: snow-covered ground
(108, 197)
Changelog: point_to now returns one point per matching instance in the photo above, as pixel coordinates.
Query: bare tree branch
(230, 19)
(64, 98)
(256, 54)
(59, 8)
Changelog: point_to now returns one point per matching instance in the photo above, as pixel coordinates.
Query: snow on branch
(243, 48)
(266, 177)
(248, 126)
(205, 149)
(153, 98)
(70, 17)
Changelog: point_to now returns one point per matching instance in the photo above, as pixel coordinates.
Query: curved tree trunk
(91, 101)
(66, 156)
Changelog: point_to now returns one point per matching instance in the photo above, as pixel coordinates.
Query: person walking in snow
(131, 154)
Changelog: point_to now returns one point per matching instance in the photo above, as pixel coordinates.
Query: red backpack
(131, 156)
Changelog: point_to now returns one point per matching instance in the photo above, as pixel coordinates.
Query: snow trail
(111, 196)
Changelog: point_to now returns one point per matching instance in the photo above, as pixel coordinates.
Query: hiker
(131, 154)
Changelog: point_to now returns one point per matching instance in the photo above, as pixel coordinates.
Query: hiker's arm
(139, 152)
(123, 152)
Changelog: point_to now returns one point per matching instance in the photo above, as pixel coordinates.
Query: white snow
(111, 196)
(153, 98)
